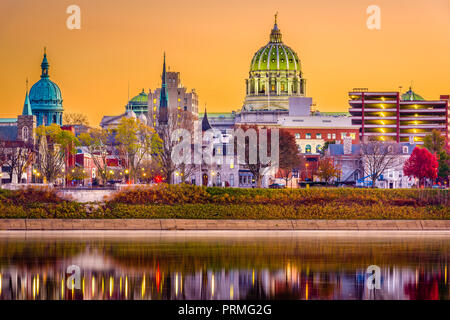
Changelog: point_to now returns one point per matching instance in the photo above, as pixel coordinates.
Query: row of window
(308, 149)
(329, 136)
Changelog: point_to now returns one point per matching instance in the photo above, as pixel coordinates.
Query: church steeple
(205, 122)
(27, 105)
(163, 97)
(45, 65)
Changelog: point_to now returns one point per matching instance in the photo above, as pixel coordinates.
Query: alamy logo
(374, 279)
(74, 280)
(74, 20)
(374, 19)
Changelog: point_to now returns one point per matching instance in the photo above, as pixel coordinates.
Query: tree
(289, 156)
(97, 143)
(136, 142)
(327, 170)
(325, 147)
(252, 149)
(434, 142)
(377, 157)
(181, 120)
(75, 119)
(54, 146)
(422, 164)
(76, 174)
(16, 156)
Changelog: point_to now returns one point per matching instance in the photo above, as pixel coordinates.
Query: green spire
(45, 65)
(27, 106)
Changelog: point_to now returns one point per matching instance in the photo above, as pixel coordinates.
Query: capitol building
(275, 75)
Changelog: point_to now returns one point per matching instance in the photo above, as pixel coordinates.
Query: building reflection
(144, 274)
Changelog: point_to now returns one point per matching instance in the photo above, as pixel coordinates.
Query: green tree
(97, 143)
(434, 142)
(54, 147)
(136, 143)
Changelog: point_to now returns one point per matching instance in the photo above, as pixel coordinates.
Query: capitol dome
(139, 103)
(45, 98)
(275, 55)
(275, 76)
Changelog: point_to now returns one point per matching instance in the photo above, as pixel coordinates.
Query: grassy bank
(190, 202)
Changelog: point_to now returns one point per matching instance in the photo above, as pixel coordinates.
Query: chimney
(347, 141)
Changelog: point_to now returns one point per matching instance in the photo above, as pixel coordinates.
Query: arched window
(318, 148)
(308, 148)
(25, 134)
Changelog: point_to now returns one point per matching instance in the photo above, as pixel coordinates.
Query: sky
(211, 43)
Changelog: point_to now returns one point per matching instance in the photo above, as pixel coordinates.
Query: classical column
(278, 84)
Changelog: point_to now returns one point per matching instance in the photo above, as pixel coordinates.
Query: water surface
(224, 265)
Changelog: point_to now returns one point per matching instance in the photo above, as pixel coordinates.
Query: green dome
(141, 98)
(139, 104)
(275, 56)
(411, 96)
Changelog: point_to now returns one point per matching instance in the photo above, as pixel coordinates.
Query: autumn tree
(290, 159)
(327, 170)
(54, 146)
(422, 164)
(98, 144)
(377, 157)
(76, 174)
(136, 142)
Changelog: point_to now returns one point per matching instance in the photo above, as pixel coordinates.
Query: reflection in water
(223, 265)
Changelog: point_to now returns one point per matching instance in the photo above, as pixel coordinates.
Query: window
(232, 164)
(405, 150)
(154, 101)
(318, 148)
(25, 134)
(329, 136)
(318, 136)
(231, 180)
(308, 136)
(334, 135)
(353, 136)
(297, 136)
(299, 149)
(343, 134)
(390, 149)
(308, 148)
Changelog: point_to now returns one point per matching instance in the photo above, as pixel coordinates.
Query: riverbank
(215, 225)
(189, 202)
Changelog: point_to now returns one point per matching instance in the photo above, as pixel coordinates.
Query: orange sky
(212, 43)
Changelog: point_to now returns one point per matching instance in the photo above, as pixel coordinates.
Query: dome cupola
(45, 98)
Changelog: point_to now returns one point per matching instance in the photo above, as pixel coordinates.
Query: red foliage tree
(421, 164)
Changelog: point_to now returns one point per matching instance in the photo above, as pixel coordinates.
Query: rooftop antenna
(26, 84)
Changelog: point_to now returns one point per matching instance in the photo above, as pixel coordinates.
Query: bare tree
(377, 157)
(16, 156)
(76, 119)
(176, 120)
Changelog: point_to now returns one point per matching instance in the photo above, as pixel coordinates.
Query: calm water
(224, 265)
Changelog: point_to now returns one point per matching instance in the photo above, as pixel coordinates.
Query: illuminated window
(154, 100)
(297, 136)
(318, 148)
(308, 136)
(318, 136)
(308, 148)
